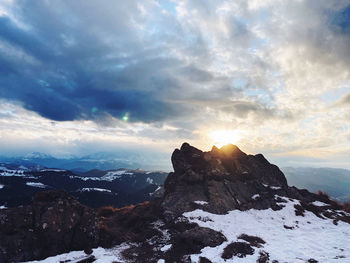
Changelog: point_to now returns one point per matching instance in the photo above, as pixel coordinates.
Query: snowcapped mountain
(218, 206)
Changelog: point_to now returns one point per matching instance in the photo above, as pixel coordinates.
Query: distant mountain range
(100, 160)
(335, 182)
(94, 179)
(95, 188)
(218, 206)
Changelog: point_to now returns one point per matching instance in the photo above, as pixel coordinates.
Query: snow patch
(149, 180)
(200, 202)
(94, 189)
(102, 255)
(2, 207)
(158, 188)
(289, 238)
(272, 187)
(318, 203)
(1, 186)
(52, 170)
(166, 248)
(12, 173)
(255, 197)
(33, 184)
(109, 176)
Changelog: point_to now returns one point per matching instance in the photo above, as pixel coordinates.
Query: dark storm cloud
(67, 61)
(341, 19)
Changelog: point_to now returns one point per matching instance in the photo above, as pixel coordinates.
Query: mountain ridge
(208, 213)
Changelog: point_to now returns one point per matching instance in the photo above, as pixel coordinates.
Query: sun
(223, 137)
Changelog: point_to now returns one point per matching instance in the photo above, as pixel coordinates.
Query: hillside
(218, 206)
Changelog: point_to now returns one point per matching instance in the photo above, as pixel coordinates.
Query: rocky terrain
(218, 206)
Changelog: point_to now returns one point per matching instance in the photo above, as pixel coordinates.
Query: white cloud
(273, 70)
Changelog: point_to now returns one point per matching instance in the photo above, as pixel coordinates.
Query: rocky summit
(218, 206)
(223, 179)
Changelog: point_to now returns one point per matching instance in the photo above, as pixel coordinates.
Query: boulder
(54, 223)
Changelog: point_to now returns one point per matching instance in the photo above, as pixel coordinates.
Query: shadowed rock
(225, 178)
(217, 181)
(54, 223)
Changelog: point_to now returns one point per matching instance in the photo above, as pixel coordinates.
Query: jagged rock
(217, 181)
(54, 223)
(225, 178)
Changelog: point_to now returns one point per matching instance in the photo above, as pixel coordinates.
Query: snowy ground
(311, 236)
(289, 238)
(109, 176)
(34, 184)
(102, 256)
(94, 189)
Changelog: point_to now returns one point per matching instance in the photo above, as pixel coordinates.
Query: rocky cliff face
(223, 179)
(54, 223)
(191, 222)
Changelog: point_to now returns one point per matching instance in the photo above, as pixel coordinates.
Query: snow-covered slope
(218, 206)
(287, 237)
(277, 236)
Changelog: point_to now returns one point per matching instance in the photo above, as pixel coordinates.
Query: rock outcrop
(217, 181)
(53, 224)
(221, 180)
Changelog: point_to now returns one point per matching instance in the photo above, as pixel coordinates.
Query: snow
(94, 189)
(8, 172)
(166, 248)
(201, 202)
(311, 236)
(102, 255)
(158, 188)
(159, 224)
(275, 187)
(2, 207)
(272, 187)
(109, 176)
(1, 186)
(52, 170)
(318, 203)
(161, 261)
(256, 196)
(149, 180)
(33, 184)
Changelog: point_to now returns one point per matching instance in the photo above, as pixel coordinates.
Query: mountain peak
(37, 155)
(202, 176)
(204, 208)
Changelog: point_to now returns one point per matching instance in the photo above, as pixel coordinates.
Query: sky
(272, 76)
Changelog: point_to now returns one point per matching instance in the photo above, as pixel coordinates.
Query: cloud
(268, 68)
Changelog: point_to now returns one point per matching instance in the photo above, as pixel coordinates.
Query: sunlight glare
(223, 137)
